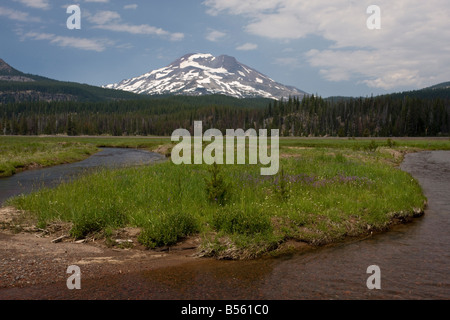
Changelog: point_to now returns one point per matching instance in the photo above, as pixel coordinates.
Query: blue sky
(317, 46)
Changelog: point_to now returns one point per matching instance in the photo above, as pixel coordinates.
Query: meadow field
(326, 190)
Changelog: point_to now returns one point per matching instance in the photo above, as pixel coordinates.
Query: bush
(372, 146)
(167, 229)
(390, 143)
(86, 225)
(217, 189)
(240, 221)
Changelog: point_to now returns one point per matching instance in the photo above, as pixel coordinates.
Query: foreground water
(413, 259)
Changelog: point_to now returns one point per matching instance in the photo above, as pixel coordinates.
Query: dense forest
(415, 113)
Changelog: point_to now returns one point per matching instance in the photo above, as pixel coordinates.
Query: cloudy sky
(318, 46)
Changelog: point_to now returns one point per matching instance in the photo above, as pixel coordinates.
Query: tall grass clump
(246, 221)
(282, 185)
(168, 228)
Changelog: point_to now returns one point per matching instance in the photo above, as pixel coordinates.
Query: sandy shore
(30, 256)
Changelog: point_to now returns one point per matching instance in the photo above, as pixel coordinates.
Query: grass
(325, 191)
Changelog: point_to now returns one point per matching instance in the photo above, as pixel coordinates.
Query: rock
(120, 241)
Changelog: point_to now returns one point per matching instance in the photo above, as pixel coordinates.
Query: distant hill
(16, 86)
(443, 85)
(8, 73)
(441, 90)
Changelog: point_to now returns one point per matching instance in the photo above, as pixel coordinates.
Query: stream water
(27, 181)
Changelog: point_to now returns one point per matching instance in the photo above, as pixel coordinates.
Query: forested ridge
(416, 113)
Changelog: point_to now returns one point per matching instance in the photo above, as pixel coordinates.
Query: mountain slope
(200, 74)
(8, 73)
(443, 85)
(441, 90)
(16, 86)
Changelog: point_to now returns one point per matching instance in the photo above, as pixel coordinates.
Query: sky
(322, 47)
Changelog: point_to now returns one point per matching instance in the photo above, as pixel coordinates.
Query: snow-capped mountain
(199, 74)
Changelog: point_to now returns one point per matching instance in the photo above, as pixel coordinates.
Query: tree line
(388, 115)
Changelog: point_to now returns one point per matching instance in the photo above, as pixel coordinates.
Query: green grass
(321, 195)
(363, 143)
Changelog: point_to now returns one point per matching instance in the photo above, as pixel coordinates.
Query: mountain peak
(6, 69)
(8, 73)
(203, 73)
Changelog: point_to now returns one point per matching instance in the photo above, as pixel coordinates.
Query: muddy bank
(33, 257)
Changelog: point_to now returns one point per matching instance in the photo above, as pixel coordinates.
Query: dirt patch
(8, 215)
(299, 148)
(164, 149)
(293, 246)
(31, 256)
(289, 155)
(284, 155)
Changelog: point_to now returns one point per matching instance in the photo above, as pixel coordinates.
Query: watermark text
(214, 152)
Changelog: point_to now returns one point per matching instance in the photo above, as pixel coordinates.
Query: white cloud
(176, 36)
(97, 45)
(111, 21)
(37, 4)
(288, 61)
(411, 49)
(97, 1)
(215, 35)
(247, 46)
(103, 17)
(130, 7)
(142, 29)
(241, 7)
(17, 15)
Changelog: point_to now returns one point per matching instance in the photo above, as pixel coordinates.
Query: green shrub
(167, 229)
(217, 189)
(282, 186)
(89, 222)
(372, 146)
(247, 221)
(86, 225)
(390, 143)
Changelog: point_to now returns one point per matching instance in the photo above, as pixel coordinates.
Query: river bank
(21, 153)
(34, 257)
(31, 257)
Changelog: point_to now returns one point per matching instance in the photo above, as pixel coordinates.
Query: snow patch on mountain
(202, 73)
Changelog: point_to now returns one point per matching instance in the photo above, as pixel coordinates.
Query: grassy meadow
(325, 191)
